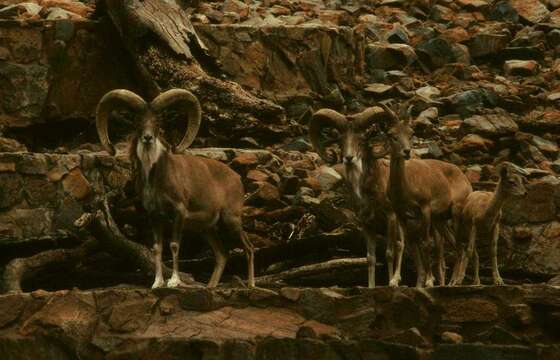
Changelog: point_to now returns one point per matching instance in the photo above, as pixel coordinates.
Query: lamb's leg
(399, 251)
(495, 271)
(444, 234)
(391, 239)
(470, 250)
(476, 265)
(426, 244)
(178, 224)
(250, 255)
(460, 253)
(221, 259)
(371, 259)
(438, 238)
(157, 250)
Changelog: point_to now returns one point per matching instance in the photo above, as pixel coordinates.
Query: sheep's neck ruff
(149, 155)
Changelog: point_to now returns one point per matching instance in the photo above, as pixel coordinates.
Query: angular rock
(532, 11)
(389, 56)
(521, 67)
(484, 44)
(474, 142)
(490, 125)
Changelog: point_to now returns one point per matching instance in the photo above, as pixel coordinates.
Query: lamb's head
(398, 132)
(511, 181)
(148, 143)
(355, 133)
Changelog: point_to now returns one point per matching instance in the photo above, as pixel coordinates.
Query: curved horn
(321, 119)
(114, 99)
(365, 118)
(194, 113)
(392, 116)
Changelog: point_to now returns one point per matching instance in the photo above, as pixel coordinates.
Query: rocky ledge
(513, 322)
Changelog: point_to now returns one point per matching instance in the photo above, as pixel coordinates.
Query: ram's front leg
(157, 250)
(176, 236)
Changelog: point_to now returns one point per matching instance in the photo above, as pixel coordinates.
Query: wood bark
(312, 270)
(103, 227)
(168, 53)
(20, 269)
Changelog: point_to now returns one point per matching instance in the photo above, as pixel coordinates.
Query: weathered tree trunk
(21, 269)
(167, 52)
(102, 226)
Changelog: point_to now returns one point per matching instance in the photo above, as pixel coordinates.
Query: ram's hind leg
(220, 255)
(234, 228)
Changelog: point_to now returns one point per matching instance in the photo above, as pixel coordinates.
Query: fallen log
(103, 227)
(20, 269)
(312, 270)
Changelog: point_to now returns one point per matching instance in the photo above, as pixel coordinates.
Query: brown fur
(480, 218)
(432, 191)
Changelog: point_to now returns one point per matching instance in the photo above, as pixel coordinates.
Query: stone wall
(292, 323)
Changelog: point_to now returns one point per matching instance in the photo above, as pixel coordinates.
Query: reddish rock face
(294, 323)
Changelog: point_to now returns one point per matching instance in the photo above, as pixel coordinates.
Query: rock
(437, 52)
(522, 53)
(21, 10)
(328, 177)
(473, 173)
(483, 352)
(450, 337)
(398, 35)
(411, 337)
(442, 14)
(379, 90)
(521, 315)
(61, 14)
(555, 18)
(465, 103)
(541, 121)
(555, 281)
(75, 184)
(504, 11)
(521, 67)
(11, 145)
(490, 125)
(532, 11)
(473, 142)
(24, 93)
(265, 195)
(237, 7)
(540, 204)
(544, 145)
(389, 56)
(428, 116)
(257, 176)
(10, 190)
(483, 44)
(470, 310)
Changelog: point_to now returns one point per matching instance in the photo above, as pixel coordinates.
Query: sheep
(431, 191)
(366, 174)
(192, 193)
(481, 218)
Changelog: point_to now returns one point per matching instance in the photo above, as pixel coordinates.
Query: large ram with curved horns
(366, 174)
(196, 194)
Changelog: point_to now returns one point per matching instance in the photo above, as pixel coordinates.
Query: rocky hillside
(484, 81)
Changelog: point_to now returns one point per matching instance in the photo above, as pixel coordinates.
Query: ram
(366, 174)
(190, 193)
